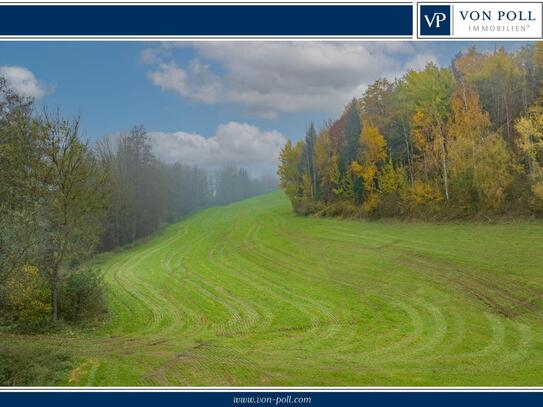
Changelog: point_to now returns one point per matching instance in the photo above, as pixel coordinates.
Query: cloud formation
(236, 143)
(22, 81)
(273, 77)
(196, 82)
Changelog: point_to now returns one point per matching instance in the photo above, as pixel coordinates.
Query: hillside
(250, 294)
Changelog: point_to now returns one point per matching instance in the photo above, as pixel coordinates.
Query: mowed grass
(252, 295)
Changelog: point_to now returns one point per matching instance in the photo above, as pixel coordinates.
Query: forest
(63, 200)
(459, 142)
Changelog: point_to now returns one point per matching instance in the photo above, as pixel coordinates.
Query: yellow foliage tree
(289, 178)
(372, 145)
(493, 172)
(422, 133)
(468, 128)
(530, 129)
(372, 155)
(27, 296)
(467, 118)
(530, 142)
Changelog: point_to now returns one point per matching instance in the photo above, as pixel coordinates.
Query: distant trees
(146, 193)
(438, 142)
(232, 184)
(137, 184)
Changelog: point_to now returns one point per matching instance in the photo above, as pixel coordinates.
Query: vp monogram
(437, 18)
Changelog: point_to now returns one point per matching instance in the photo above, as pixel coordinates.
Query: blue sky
(209, 98)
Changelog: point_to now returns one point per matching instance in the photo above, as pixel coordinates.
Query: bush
(27, 300)
(537, 201)
(425, 200)
(82, 296)
(371, 204)
(342, 209)
(28, 364)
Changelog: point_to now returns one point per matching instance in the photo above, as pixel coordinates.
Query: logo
(435, 19)
(472, 20)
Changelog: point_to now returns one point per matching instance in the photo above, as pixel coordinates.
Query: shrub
(342, 209)
(26, 364)
(424, 200)
(371, 204)
(537, 201)
(27, 299)
(493, 173)
(82, 296)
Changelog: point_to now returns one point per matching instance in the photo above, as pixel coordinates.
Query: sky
(211, 103)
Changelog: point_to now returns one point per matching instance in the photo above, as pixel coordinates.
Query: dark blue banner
(207, 20)
(283, 398)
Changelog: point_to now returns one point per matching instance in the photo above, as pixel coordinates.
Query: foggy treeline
(146, 192)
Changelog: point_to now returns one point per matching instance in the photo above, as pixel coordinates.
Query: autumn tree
(371, 158)
(496, 76)
(429, 92)
(468, 128)
(289, 175)
(530, 143)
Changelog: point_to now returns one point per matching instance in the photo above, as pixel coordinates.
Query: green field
(252, 295)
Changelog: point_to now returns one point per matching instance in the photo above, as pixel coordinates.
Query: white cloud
(22, 81)
(197, 82)
(272, 77)
(241, 144)
(419, 61)
(170, 77)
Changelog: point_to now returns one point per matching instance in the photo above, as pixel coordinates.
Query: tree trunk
(57, 261)
(134, 223)
(444, 165)
(444, 160)
(54, 292)
(507, 120)
(314, 181)
(409, 155)
(117, 227)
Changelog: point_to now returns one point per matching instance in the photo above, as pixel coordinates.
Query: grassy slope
(252, 295)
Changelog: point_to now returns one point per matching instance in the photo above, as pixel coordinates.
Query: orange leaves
(468, 119)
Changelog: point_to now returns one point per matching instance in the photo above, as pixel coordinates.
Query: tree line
(464, 141)
(63, 199)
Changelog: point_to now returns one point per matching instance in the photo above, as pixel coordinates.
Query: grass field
(251, 294)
